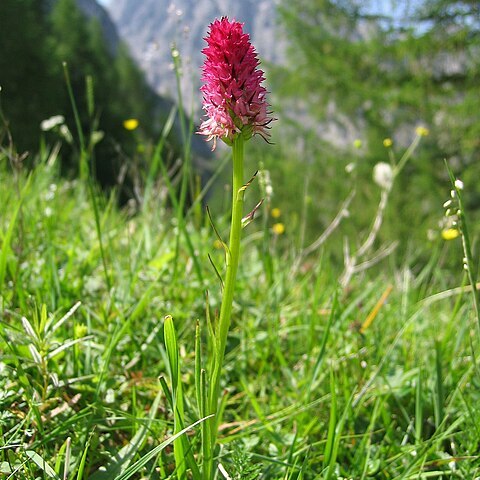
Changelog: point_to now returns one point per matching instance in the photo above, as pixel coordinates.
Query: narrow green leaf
(90, 95)
(321, 353)
(42, 464)
(166, 391)
(142, 304)
(338, 436)
(7, 238)
(123, 458)
(137, 466)
(83, 460)
(439, 390)
(419, 408)
(198, 367)
(332, 422)
(171, 346)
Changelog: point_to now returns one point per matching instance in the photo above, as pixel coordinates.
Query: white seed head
(458, 184)
(383, 175)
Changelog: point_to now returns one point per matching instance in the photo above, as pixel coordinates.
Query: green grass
(308, 393)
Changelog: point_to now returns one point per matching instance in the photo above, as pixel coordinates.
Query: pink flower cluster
(233, 95)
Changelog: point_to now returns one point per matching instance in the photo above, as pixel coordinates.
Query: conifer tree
(36, 37)
(29, 85)
(387, 73)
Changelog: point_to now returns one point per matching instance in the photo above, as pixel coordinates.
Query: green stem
(472, 271)
(406, 156)
(83, 169)
(470, 262)
(223, 326)
(98, 227)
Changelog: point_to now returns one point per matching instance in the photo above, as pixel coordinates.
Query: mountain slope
(93, 10)
(151, 27)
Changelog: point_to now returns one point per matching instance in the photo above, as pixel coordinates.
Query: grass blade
(137, 466)
(42, 464)
(123, 458)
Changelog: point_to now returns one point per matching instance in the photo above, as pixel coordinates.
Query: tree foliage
(386, 72)
(389, 70)
(34, 87)
(29, 85)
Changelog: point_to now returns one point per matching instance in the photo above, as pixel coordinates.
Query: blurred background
(351, 82)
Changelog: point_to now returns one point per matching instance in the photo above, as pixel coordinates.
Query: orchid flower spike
(233, 94)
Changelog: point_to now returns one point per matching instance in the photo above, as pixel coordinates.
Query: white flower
(383, 175)
(65, 133)
(350, 167)
(458, 184)
(52, 122)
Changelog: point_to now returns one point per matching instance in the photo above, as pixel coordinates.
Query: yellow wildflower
(276, 212)
(387, 142)
(278, 228)
(80, 330)
(357, 143)
(422, 131)
(450, 233)
(130, 124)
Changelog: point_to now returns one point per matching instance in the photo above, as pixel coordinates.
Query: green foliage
(379, 77)
(242, 465)
(30, 87)
(34, 89)
(307, 391)
(377, 378)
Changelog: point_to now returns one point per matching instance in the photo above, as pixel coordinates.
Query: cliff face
(113, 37)
(152, 27)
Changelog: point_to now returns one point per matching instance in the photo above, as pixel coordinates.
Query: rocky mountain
(163, 103)
(151, 28)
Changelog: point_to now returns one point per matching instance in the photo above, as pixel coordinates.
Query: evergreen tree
(80, 44)
(29, 85)
(387, 74)
(36, 37)
(451, 39)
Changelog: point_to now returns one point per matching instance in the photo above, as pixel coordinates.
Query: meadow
(375, 378)
(339, 355)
